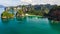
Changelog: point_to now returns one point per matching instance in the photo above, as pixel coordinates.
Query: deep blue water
(29, 25)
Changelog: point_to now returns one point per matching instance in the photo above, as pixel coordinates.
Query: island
(50, 11)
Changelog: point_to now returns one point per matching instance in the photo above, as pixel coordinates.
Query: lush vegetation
(6, 14)
(20, 13)
(40, 12)
(43, 11)
(31, 11)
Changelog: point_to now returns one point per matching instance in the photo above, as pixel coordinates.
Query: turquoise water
(29, 25)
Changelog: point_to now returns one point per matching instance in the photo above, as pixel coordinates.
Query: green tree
(20, 13)
(7, 14)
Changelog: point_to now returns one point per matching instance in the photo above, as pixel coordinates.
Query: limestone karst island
(50, 11)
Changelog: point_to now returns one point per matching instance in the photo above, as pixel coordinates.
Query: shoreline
(33, 15)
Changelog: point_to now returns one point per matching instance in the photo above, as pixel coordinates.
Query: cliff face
(54, 13)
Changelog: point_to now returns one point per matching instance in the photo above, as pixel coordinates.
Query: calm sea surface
(28, 25)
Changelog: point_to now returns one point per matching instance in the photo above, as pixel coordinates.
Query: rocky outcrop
(19, 13)
(5, 14)
(54, 13)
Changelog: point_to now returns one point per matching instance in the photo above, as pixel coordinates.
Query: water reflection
(5, 20)
(26, 24)
(55, 25)
(29, 17)
(20, 19)
(33, 17)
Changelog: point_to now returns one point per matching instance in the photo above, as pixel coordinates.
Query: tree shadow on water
(20, 19)
(55, 25)
(5, 21)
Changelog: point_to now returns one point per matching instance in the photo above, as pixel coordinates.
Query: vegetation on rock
(6, 14)
(20, 13)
